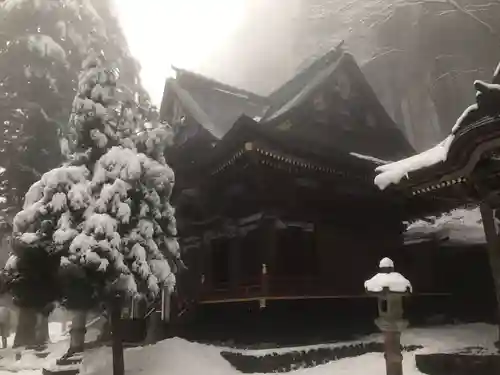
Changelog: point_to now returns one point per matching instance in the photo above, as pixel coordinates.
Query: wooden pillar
(264, 283)
(269, 243)
(207, 273)
(117, 345)
(234, 263)
(493, 241)
(77, 332)
(166, 298)
(197, 279)
(268, 255)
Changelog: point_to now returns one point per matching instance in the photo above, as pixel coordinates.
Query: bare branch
(381, 54)
(32, 170)
(462, 10)
(446, 12)
(473, 7)
(455, 73)
(386, 13)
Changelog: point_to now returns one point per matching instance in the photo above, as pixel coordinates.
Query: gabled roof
(214, 105)
(291, 88)
(356, 120)
(296, 97)
(293, 102)
(284, 147)
(193, 107)
(189, 78)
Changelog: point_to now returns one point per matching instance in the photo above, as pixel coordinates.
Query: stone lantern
(390, 287)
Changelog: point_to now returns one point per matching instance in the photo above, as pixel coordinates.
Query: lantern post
(390, 288)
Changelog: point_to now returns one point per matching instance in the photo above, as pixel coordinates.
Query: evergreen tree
(42, 46)
(103, 220)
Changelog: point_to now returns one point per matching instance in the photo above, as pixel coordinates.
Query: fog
(421, 57)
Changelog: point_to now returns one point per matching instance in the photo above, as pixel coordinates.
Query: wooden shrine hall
(274, 195)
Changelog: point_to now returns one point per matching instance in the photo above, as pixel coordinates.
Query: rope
(87, 325)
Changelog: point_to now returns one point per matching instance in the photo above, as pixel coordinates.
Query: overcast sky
(182, 33)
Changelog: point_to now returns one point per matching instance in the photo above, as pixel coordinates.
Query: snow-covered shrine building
(274, 195)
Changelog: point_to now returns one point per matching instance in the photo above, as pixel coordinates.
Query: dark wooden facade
(283, 206)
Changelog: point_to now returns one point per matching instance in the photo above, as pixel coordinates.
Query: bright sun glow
(182, 33)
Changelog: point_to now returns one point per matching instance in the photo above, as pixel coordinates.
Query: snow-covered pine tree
(42, 46)
(106, 214)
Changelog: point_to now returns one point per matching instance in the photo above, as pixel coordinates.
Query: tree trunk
(64, 325)
(105, 334)
(77, 331)
(493, 241)
(118, 361)
(155, 328)
(43, 329)
(26, 327)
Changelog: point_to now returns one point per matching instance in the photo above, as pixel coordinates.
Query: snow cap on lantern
(390, 287)
(387, 280)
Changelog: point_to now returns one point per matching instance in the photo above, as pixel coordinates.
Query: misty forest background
(421, 57)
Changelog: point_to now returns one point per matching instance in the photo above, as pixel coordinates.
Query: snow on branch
(46, 47)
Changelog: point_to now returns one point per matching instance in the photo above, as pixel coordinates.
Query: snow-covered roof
(369, 158)
(304, 75)
(218, 86)
(390, 280)
(214, 105)
(306, 90)
(393, 173)
(458, 227)
(196, 111)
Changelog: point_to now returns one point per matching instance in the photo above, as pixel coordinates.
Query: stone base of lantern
(458, 364)
(386, 325)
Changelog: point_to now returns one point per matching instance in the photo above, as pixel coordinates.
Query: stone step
(482, 363)
(62, 370)
(71, 360)
(43, 354)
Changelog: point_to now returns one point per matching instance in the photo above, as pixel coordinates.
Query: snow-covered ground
(460, 227)
(30, 364)
(180, 357)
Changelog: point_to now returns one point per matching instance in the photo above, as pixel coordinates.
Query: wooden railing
(280, 288)
(269, 287)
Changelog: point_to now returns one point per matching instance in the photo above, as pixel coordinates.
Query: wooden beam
(493, 242)
(299, 297)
